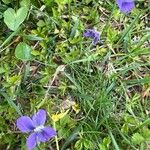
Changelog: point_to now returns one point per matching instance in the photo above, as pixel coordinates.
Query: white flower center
(38, 128)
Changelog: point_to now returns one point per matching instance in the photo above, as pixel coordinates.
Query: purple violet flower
(40, 133)
(125, 6)
(95, 35)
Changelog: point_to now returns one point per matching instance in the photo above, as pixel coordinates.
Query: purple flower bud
(95, 35)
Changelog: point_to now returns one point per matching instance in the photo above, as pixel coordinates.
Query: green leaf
(2, 70)
(105, 144)
(25, 3)
(40, 23)
(145, 123)
(6, 1)
(146, 134)
(88, 144)
(125, 128)
(23, 52)
(14, 19)
(137, 138)
(79, 145)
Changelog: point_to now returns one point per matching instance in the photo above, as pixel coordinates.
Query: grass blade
(113, 140)
(11, 103)
(129, 28)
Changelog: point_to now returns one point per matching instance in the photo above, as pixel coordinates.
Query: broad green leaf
(23, 52)
(40, 23)
(2, 70)
(25, 3)
(137, 138)
(6, 1)
(13, 19)
(146, 134)
(102, 147)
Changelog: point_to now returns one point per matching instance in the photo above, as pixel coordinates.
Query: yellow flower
(76, 108)
(56, 117)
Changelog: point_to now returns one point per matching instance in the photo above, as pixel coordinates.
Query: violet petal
(89, 33)
(25, 124)
(46, 134)
(126, 6)
(95, 35)
(95, 40)
(31, 141)
(39, 118)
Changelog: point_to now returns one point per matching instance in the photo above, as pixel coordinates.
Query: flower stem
(56, 138)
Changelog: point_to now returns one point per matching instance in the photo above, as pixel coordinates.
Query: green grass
(109, 83)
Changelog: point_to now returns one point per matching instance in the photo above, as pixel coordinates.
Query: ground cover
(81, 67)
